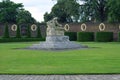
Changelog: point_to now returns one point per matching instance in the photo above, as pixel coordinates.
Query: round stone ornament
(67, 27)
(14, 27)
(102, 27)
(34, 27)
(83, 27)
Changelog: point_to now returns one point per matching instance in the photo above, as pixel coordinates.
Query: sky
(37, 7)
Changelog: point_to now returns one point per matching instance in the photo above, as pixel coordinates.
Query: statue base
(56, 43)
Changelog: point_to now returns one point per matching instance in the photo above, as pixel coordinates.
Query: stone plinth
(55, 39)
(56, 43)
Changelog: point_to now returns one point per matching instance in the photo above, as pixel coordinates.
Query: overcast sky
(37, 7)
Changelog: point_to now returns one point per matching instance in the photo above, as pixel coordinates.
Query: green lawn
(105, 58)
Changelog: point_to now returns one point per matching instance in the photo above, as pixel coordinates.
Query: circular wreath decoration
(102, 27)
(67, 27)
(33, 27)
(14, 27)
(83, 27)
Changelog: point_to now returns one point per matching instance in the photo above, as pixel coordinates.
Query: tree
(94, 10)
(6, 32)
(65, 10)
(47, 16)
(24, 16)
(114, 10)
(8, 11)
(14, 13)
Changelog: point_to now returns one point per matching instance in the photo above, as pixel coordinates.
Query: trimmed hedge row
(89, 36)
(20, 39)
(85, 36)
(104, 36)
(80, 36)
(72, 35)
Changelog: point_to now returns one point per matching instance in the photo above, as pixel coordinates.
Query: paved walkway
(59, 77)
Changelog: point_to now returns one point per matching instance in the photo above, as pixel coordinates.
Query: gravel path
(59, 77)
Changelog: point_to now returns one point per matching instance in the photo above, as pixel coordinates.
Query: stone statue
(55, 39)
(54, 28)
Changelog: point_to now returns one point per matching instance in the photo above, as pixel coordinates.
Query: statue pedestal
(55, 39)
(56, 43)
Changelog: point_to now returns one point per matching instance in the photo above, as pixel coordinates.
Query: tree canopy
(65, 10)
(114, 10)
(95, 10)
(14, 13)
(24, 16)
(89, 10)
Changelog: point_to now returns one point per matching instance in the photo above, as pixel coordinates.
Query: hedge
(28, 32)
(6, 31)
(20, 39)
(38, 32)
(85, 36)
(72, 35)
(104, 36)
(119, 36)
(18, 33)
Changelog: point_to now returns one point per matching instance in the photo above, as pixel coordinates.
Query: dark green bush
(28, 32)
(18, 33)
(39, 33)
(6, 31)
(119, 36)
(20, 39)
(72, 35)
(85, 36)
(104, 36)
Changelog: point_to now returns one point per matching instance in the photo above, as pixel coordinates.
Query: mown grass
(101, 58)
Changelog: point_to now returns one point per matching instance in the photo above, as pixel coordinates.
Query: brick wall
(94, 27)
(74, 27)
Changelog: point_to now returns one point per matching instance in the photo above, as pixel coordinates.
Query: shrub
(18, 33)
(104, 36)
(119, 36)
(6, 31)
(28, 31)
(85, 36)
(39, 33)
(20, 39)
(72, 35)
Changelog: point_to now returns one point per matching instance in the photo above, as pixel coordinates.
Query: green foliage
(93, 10)
(104, 36)
(72, 35)
(8, 11)
(14, 13)
(119, 36)
(18, 32)
(6, 31)
(28, 31)
(47, 17)
(114, 10)
(85, 36)
(39, 33)
(65, 10)
(100, 10)
(24, 16)
(2, 40)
